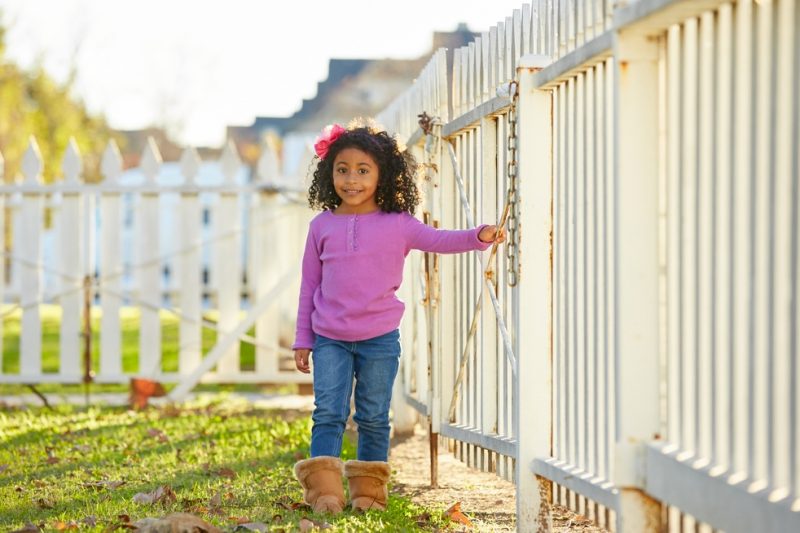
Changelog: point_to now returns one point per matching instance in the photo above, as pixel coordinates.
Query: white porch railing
(162, 240)
(652, 380)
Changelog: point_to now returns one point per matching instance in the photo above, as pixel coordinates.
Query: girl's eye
(363, 171)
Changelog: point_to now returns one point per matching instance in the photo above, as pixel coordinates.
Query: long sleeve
(420, 236)
(311, 279)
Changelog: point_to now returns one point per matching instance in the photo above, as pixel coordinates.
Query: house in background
(135, 141)
(354, 88)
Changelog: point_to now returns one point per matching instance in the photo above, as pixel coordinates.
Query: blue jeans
(373, 363)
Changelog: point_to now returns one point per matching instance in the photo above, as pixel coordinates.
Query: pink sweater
(352, 266)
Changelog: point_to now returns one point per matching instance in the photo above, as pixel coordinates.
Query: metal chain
(512, 242)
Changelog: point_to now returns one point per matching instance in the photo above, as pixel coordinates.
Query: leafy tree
(32, 103)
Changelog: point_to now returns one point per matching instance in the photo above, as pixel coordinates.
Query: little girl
(348, 314)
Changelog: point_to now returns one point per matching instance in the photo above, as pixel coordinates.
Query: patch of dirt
(488, 500)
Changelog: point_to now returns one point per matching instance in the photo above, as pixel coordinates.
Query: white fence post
(229, 280)
(111, 264)
(404, 416)
(191, 327)
(448, 312)
(28, 243)
(533, 381)
(489, 363)
(147, 237)
(264, 248)
(636, 276)
(72, 246)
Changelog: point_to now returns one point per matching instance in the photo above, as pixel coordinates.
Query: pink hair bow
(327, 138)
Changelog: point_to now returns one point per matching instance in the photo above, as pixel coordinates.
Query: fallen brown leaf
(143, 389)
(454, 513)
(44, 503)
(307, 524)
(291, 506)
(226, 472)
(190, 505)
(423, 520)
(216, 499)
(162, 494)
(175, 522)
(61, 526)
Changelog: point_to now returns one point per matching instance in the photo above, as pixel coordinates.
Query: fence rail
(654, 325)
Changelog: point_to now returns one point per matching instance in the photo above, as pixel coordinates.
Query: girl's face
(355, 179)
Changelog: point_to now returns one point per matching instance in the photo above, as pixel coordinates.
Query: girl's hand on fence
(492, 234)
(301, 360)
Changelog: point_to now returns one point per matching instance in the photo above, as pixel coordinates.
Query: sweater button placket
(350, 243)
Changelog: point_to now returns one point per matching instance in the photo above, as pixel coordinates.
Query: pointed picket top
(230, 162)
(72, 165)
(304, 168)
(151, 161)
(267, 169)
(111, 165)
(32, 164)
(190, 165)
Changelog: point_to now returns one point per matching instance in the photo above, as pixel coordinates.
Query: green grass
(223, 460)
(129, 317)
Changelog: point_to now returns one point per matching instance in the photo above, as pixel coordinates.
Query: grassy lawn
(78, 468)
(51, 320)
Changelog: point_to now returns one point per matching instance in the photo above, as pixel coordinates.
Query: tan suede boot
(367, 482)
(321, 478)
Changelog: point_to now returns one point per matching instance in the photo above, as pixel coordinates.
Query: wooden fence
(634, 354)
(163, 241)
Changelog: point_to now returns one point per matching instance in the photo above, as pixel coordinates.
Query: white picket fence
(217, 233)
(644, 369)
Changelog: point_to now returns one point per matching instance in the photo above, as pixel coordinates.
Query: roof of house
(353, 88)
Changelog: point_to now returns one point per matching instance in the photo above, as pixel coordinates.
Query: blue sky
(201, 65)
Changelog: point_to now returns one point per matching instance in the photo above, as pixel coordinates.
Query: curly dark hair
(397, 188)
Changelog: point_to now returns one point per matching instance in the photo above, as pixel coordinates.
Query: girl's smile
(355, 180)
